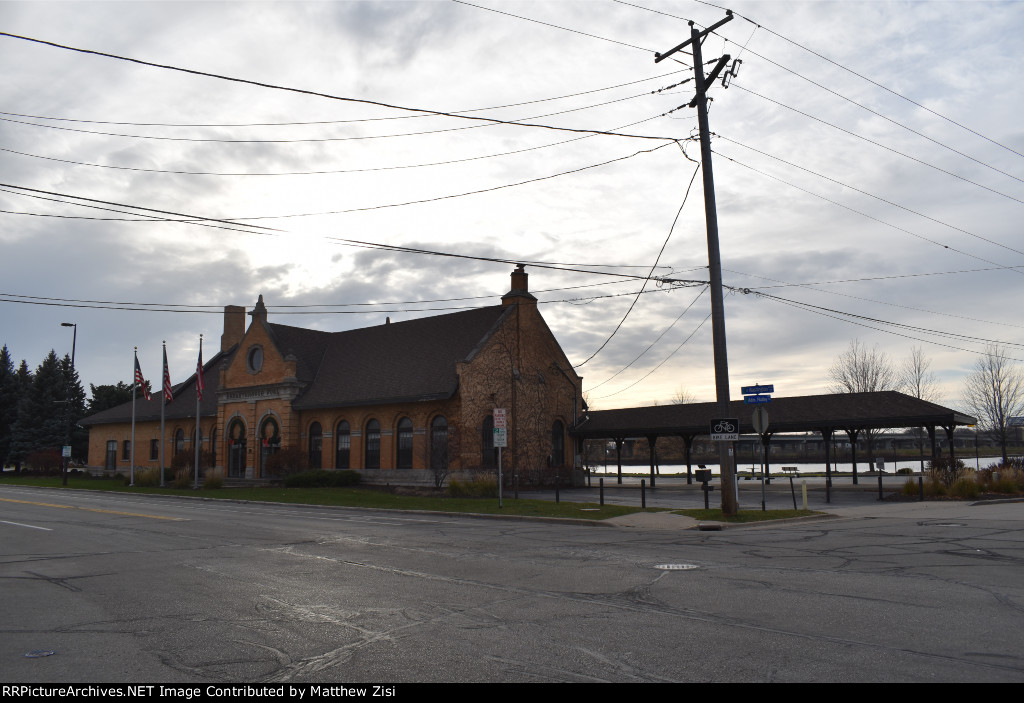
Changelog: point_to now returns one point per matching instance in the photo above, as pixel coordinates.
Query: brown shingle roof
(183, 405)
(403, 361)
(794, 414)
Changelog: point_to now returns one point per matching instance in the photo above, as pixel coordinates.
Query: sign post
(500, 441)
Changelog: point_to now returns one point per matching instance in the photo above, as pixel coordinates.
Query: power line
(656, 260)
(548, 24)
(324, 172)
(876, 197)
(331, 122)
(888, 148)
(864, 214)
(877, 84)
(812, 287)
(651, 345)
(314, 140)
(314, 93)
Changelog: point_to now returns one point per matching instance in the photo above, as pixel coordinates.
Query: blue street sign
(754, 390)
(756, 399)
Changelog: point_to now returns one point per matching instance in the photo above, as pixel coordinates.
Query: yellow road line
(91, 510)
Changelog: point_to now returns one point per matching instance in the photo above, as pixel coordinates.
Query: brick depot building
(415, 395)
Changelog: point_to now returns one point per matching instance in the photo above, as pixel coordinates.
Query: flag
(199, 373)
(167, 380)
(139, 379)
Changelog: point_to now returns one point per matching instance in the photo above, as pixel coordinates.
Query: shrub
(322, 478)
(478, 487)
(287, 461)
(947, 471)
(147, 477)
(905, 470)
(965, 487)
(910, 488)
(183, 478)
(214, 478)
(45, 461)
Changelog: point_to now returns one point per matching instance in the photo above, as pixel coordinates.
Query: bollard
(600, 483)
(792, 490)
(643, 493)
(879, 486)
(920, 487)
(803, 489)
(515, 485)
(556, 488)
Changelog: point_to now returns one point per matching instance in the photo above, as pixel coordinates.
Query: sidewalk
(841, 500)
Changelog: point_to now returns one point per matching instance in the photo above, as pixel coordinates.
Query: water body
(744, 468)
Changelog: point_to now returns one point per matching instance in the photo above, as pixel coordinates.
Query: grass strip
(353, 498)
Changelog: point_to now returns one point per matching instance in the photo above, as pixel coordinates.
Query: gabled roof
(392, 363)
(838, 411)
(399, 362)
(183, 405)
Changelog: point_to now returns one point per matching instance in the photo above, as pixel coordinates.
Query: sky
(868, 169)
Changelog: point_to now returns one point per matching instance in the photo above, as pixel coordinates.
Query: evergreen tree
(109, 396)
(41, 418)
(22, 384)
(75, 397)
(8, 402)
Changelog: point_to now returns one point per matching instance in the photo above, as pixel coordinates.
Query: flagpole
(163, 404)
(199, 396)
(131, 447)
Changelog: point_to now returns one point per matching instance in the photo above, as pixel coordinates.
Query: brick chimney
(234, 326)
(519, 294)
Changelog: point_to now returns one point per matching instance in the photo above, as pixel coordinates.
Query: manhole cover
(676, 567)
(35, 653)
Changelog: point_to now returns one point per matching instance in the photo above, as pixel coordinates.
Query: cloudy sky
(868, 161)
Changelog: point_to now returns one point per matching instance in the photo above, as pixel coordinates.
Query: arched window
(343, 444)
(316, 443)
(404, 443)
(372, 445)
(179, 441)
(236, 449)
(488, 457)
(558, 444)
(439, 444)
(270, 443)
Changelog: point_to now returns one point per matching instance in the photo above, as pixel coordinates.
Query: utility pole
(725, 461)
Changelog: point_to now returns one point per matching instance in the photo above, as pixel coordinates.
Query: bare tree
(995, 393)
(683, 397)
(863, 370)
(915, 378)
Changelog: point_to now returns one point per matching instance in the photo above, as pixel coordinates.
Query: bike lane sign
(725, 429)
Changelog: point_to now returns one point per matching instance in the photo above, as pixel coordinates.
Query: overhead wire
(864, 214)
(313, 93)
(871, 81)
(656, 260)
(872, 195)
(331, 122)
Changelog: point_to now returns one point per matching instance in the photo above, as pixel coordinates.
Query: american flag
(168, 396)
(199, 372)
(139, 379)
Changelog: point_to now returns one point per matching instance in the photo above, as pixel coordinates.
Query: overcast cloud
(935, 231)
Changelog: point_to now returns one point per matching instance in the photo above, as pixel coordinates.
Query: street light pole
(67, 403)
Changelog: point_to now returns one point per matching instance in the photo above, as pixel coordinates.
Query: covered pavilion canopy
(851, 413)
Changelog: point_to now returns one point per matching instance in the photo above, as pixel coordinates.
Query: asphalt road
(128, 588)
